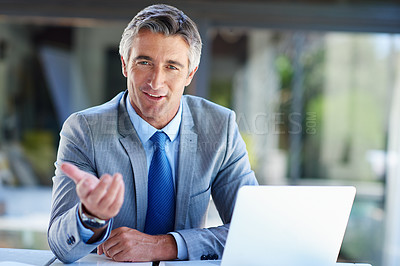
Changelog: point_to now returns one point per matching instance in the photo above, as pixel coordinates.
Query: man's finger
(98, 192)
(74, 172)
(100, 249)
(116, 232)
(84, 188)
(112, 191)
(119, 199)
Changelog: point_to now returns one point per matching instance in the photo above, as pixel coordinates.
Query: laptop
(286, 225)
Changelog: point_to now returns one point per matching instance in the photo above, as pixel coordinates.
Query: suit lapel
(133, 146)
(187, 155)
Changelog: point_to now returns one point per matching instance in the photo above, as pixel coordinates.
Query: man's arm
(76, 147)
(101, 198)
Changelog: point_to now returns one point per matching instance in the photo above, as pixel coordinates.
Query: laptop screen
(288, 225)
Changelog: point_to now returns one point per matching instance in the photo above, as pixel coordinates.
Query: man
(134, 176)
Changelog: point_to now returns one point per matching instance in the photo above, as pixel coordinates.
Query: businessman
(134, 176)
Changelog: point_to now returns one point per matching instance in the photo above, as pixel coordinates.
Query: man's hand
(126, 244)
(102, 197)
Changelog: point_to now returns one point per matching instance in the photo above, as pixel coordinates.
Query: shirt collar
(145, 130)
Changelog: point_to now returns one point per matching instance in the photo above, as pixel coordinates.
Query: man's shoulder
(206, 116)
(98, 113)
(205, 106)
(105, 108)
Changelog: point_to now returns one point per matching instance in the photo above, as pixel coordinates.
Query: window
(314, 108)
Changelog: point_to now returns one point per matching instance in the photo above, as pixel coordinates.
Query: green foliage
(284, 68)
(221, 92)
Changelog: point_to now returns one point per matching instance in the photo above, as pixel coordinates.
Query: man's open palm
(102, 197)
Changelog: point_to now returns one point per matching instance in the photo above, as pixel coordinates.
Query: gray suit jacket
(212, 162)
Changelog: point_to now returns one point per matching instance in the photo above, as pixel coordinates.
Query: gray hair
(167, 20)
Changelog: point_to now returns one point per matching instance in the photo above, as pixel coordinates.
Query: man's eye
(144, 63)
(172, 67)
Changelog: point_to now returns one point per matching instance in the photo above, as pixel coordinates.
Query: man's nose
(157, 78)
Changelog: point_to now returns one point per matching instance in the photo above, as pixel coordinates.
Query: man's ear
(123, 65)
(190, 76)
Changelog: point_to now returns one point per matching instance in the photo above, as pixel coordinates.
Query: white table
(216, 263)
(21, 257)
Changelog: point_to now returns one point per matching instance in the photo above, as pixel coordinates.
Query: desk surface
(20, 257)
(14, 257)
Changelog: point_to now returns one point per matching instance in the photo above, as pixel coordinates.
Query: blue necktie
(160, 218)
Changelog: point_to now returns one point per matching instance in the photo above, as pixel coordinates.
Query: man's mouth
(156, 96)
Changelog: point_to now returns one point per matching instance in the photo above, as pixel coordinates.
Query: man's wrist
(181, 246)
(89, 220)
(166, 248)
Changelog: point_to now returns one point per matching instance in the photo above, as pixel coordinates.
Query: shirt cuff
(181, 246)
(86, 233)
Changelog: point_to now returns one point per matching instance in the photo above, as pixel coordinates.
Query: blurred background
(315, 86)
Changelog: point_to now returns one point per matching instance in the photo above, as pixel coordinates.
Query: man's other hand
(102, 197)
(127, 244)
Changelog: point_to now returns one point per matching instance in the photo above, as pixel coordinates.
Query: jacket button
(70, 240)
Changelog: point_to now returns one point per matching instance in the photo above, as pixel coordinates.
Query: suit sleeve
(234, 172)
(76, 147)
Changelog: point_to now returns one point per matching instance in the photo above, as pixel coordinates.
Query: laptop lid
(288, 225)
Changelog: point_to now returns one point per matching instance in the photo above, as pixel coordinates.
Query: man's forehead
(149, 32)
(174, 47)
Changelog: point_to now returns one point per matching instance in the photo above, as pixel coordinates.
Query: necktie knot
(159, 139)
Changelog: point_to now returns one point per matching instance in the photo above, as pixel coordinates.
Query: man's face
(157, 73)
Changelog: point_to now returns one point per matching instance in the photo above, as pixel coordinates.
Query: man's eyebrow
(143, 57)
